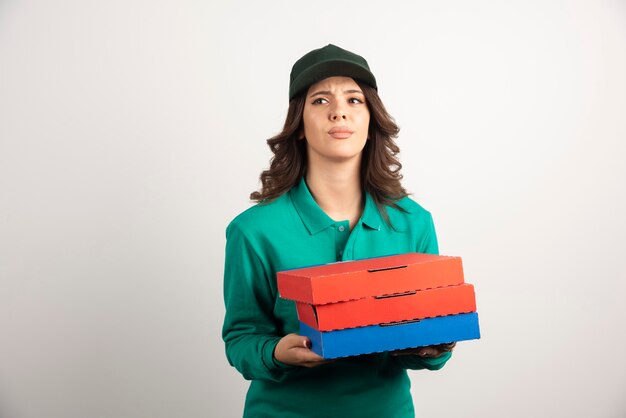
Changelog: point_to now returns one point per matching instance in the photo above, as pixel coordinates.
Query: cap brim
(331, 68)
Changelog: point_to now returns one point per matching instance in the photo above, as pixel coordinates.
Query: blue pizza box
(389, 337)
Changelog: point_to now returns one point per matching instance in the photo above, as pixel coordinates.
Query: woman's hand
(431, 351)
(295, 350)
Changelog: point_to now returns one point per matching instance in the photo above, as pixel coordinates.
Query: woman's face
(336, 120)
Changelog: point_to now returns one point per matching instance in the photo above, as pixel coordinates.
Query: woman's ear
(301, 134)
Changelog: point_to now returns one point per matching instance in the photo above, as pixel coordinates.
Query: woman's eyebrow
(327, 92)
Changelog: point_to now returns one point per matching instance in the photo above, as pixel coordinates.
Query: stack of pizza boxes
(382, 304)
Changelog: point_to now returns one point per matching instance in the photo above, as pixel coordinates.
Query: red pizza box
(382, 276)
(374, 310)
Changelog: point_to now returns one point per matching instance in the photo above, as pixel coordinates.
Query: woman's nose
(337, 114)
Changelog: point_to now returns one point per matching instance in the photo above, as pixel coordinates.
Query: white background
(131, 132)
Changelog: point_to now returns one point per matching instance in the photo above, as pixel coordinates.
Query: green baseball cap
(325, 62)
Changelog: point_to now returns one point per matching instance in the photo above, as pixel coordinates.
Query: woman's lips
(340, 132)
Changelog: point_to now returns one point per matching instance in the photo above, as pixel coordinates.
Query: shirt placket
(342, 232)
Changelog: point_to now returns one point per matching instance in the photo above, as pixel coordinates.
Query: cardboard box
(351, 280)
(378, 338)
(390, 308)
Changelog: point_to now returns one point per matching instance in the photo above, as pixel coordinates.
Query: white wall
(131, 132)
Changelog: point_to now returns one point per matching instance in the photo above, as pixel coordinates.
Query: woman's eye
(354, 100)
(320, 101)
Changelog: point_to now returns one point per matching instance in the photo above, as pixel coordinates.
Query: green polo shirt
(291, 232)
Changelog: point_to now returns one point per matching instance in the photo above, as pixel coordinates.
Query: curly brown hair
(380, 169)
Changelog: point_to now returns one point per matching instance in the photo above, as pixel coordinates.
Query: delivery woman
(332, 193)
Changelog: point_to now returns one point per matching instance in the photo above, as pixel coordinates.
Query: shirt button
(341, 228)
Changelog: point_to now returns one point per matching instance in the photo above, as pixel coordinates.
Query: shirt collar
(316, 220)
(371, 217)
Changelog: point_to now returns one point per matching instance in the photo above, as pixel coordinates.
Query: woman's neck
(337, 190)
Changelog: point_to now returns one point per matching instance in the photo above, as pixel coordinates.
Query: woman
(332, 193)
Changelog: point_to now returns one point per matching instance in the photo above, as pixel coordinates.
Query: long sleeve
(249, 330)
(427, 245)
